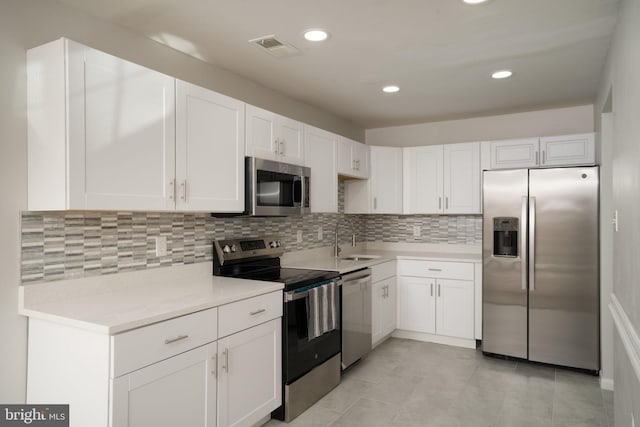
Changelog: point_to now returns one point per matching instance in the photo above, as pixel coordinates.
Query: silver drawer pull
(262, 310)
(178, 338)
(435, 269)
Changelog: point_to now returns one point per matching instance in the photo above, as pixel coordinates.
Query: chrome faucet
(336, 246)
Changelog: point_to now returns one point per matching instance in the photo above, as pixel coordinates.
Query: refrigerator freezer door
(504, 295)
(564, 286)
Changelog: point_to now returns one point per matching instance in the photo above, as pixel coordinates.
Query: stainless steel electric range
(311, 324)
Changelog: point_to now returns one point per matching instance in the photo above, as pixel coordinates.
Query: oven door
(301, 354)
(277, 189)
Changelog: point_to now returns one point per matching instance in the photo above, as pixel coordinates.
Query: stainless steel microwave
(276, 189)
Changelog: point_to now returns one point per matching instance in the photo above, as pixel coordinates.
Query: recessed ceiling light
(390, 89)
(474, 1)
(502, 74)
(316, 35)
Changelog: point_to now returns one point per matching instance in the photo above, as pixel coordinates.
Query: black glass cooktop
(293, 278)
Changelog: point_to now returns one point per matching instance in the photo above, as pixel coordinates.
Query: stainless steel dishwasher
(356, 316)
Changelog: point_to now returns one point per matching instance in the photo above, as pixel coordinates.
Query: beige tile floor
(411, 383)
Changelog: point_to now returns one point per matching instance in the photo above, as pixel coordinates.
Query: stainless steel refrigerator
(540, 266)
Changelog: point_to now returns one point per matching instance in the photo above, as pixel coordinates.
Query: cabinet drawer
(436, 269)
(244, 314)
(141, 347)
(383, 271)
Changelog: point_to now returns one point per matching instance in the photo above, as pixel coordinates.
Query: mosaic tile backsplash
(63, 245)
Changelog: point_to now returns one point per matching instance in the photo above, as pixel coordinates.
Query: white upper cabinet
(271, 136)
(320, 150)
(423, 179)
(386, 180)
(353, 158)
(515, 153)
(564, 150)
(462, 178)
(209, 150)
(101, 131)
(568, 150)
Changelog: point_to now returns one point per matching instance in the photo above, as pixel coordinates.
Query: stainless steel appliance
(356, 316)
(540, 266)
(311, 321)
(276, 189)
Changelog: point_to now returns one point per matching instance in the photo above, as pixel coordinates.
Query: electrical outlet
(161, 245)
(299, 236)
(417, 232)
(320, 235)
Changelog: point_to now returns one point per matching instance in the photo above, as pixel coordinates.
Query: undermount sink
(359, 257)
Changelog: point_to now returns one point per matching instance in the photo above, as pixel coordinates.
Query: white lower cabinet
(384, 301)
(437, 301)
(179, 391)
(250, 368)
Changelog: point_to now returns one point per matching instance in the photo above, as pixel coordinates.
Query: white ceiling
(440, 52)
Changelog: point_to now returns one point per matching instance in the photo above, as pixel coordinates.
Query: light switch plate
(320, 234)
(299, 236)
(161, 245)
(417, 231)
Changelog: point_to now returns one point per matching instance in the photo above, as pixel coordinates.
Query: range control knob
(226, 249)
(273, 244)
(278, 243)
(233, 248)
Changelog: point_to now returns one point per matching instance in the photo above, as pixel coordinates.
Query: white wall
(28, 23)
(623, 77)
(556, 121)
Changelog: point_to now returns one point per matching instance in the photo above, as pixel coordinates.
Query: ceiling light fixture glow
(501, 74)
(316, 35)
(390, 89)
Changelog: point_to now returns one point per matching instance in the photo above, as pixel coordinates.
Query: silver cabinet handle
(358, 164)
(282, 147)
(438, 289)
(262, 310)
(532, 243)
(214, 365)
(543, 157)
(386, 291)
(183, 190)
(431, 289)
(446, 203)
(172, 189)
(375, 203)
(439, 202)
(523, 244)
(225, 359)
(277, 146)
(435, 269)
(537, 156)
(176, 339)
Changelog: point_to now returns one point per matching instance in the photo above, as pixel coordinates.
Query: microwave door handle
(297, 181)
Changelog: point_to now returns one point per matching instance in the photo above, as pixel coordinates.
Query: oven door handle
(293, 295)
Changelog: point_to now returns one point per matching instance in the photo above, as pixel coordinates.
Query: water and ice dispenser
(505, 236)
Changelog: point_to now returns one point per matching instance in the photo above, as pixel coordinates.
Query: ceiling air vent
(274, 47)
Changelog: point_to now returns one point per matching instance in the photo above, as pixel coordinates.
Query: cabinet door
(261, 133)
(423, 179)
(289, 134)
(515, 153)
(360, 156)
(378, 290)
(124, 158)
(568, 150)
(417, 304)
(320, 150)
(209, 150)
(179, 391)
(343, 157)
(455, 308)
(250, 379)
(388, 312)
(386, 180)
(462, 178)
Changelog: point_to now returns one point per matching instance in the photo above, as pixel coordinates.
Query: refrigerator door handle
(523, 243)
(532, 243)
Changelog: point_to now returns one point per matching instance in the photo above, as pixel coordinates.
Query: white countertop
(115, 303)
(323, 259)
